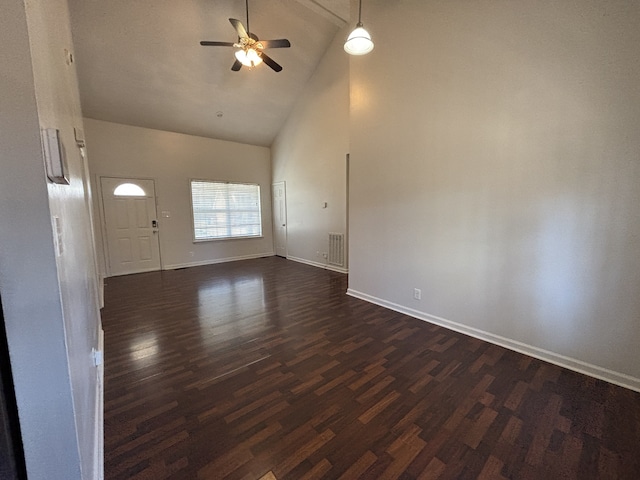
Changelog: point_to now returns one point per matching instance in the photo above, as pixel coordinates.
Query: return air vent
(336, 249)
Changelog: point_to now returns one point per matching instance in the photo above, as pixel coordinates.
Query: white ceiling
(140, 63)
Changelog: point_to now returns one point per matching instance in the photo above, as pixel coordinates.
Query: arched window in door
(129, 190)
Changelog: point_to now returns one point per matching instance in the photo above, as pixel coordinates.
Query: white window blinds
(225, 210)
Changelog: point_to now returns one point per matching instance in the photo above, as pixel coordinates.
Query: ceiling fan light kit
(359, 41)
(249, 57)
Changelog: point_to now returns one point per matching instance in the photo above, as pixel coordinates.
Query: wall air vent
(336, 249)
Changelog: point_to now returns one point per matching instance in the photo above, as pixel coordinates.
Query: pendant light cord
(359, 12)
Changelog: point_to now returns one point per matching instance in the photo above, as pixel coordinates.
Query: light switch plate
(79, 134)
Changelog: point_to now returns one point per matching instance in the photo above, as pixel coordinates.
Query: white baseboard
(98, 454)
(576, 365)
(325, 266)
(217, 260)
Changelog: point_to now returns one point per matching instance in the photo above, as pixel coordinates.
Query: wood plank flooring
(265, 369)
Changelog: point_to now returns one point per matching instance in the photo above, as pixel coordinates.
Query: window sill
(204, 240)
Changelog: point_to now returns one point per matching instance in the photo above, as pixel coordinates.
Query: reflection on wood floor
(266, 369)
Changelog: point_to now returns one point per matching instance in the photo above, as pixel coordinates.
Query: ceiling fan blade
(271, 62)
(237, 24)
(236, 66)
(207, 43)
(280, 43)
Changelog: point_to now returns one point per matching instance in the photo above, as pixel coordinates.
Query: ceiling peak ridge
(324, 11)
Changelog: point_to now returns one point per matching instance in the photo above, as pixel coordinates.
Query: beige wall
(172, 159)
(495, 166)
(309, 154)
(49, 297)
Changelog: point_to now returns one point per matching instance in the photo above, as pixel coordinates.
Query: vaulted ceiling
(140, 63)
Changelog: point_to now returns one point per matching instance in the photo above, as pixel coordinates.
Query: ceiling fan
(250, 51)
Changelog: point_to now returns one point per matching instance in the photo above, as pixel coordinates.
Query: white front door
(131, 228)
(280, 218)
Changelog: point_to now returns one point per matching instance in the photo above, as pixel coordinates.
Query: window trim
(193, 225)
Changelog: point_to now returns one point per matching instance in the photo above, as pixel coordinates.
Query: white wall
(309, 154)
(172, 159)
(49, 300)
(499, 172)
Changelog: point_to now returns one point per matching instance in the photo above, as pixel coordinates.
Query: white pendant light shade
(248, 58)
(358, 42)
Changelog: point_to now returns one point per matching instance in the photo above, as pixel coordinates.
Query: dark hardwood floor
(265, 369)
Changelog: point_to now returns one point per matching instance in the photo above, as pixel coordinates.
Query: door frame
(286, 223)
(103, 221)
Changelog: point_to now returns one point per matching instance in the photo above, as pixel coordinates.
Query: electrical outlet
(417, 293)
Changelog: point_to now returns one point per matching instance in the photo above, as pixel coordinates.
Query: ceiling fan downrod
(247, 7)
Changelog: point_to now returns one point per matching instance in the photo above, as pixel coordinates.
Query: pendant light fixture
(359, 41)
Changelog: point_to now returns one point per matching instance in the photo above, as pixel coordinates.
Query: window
(225, 210)
(128, 190)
